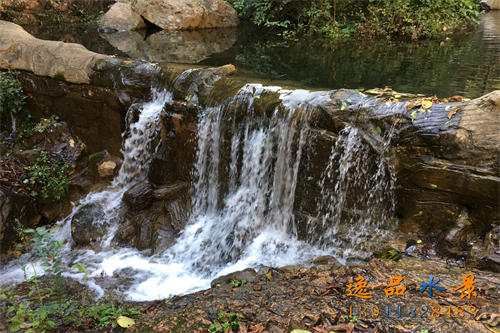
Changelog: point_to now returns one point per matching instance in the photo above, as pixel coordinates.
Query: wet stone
(88, 224)
(139, 196)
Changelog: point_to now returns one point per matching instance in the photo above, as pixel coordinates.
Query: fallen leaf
(72, 143)
(258, 328)
(344, 106)
(396, 122)
(453, 112)
(426, 104)
(125, 322)
(300, 331)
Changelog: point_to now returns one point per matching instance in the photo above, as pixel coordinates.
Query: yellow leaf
(397, 96)
(426, 104)
(125, 322)
(72, 143)
(453, 112)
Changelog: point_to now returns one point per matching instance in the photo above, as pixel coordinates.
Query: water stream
(246, 219)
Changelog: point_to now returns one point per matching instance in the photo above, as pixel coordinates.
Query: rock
(187, 14)
(170, 192)
(490, 4)
(139, 196)
(58, 140)
(148, 229)
(491, 262)
(106, 169)
(121, 17)
(248, 274)
(486, 255)
(457, 239)
(20, 50)
(88, 224)
(188, 47)
(326, 260)
(93, 114)
(5, 209)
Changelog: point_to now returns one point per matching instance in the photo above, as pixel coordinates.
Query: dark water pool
(467, 65)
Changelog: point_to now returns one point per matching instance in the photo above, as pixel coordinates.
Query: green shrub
(417, 19)
(48, 180)
(413, 19)
(12, 98)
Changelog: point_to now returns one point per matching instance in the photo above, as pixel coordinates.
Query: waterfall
(244, 183)
(357, 197)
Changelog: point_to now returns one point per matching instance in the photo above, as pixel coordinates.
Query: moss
(96, 158)
(267, 103)
(59, 76)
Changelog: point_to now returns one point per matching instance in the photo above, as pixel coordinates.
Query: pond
(467, 64)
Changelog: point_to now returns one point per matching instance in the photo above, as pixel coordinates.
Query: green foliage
(417, 19)
(36, 314)
(86, 17)
(106, 313)
(48, 180)
(12, 98)
(59, 76)
(45, 123)
(332, 19)
(237, 283)
(45, 308)
(391, 254)
(96, 157)
(190, 101)
(225, 321)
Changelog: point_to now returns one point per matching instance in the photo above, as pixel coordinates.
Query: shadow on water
(467, 64)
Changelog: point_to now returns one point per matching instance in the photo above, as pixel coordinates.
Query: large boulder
(490, 4)
(187, 14)
(88, 224)
(121, 17)
(67, 61)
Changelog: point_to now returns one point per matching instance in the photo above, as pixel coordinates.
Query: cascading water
(244, 219)
(357, 197)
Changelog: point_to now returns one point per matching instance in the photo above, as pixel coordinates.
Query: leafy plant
(391, 254)
(12, 97)
(82, 268)
(106, 314)
(45, 123)
(237, 283)
(190, 101)
(48, 178)
(333, 19)
(225, 321)
(36, 314)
